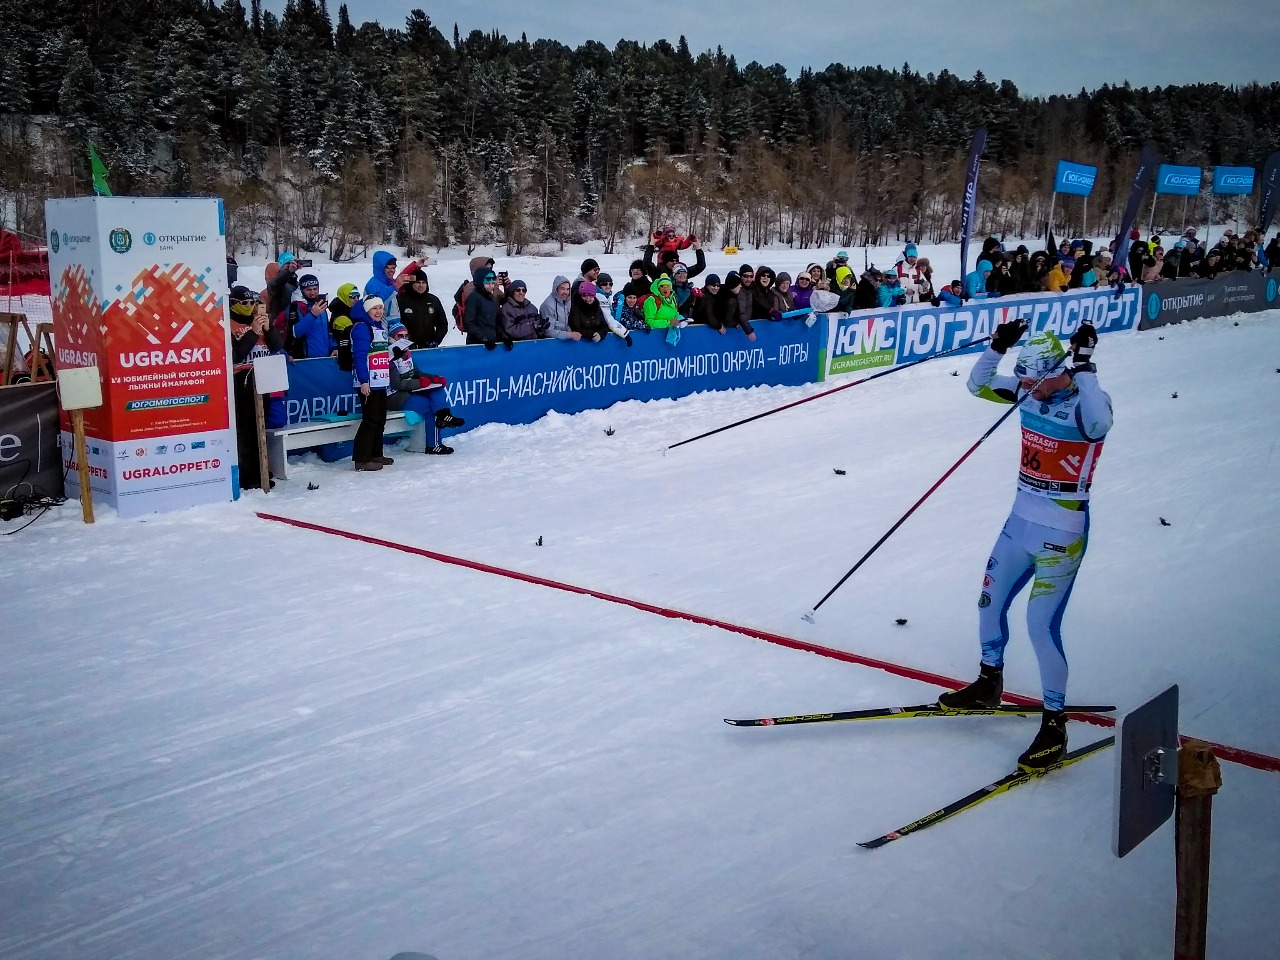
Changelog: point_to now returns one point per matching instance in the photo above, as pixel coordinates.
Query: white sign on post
(271, 373)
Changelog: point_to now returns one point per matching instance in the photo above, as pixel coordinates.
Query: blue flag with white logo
(1180, 181)
(1233, 180)
(1075, 178)
(970, 196)
(1141, 180)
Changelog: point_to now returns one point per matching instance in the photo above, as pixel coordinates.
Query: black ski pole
(927, 494)
(827, 393)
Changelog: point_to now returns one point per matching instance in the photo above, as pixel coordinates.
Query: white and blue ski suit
(1047, 531)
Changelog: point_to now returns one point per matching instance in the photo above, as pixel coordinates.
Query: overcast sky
(1043, 47)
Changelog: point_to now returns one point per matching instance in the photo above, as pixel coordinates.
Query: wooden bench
(281, 441)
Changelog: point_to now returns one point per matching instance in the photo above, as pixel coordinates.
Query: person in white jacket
(909, 272)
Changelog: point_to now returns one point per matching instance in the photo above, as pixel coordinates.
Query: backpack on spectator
(342, 336)
(460, 303)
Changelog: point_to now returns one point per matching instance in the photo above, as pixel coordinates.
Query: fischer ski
(922, 710)
(1003, 785)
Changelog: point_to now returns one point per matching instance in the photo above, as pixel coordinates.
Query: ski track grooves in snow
(1248, 758)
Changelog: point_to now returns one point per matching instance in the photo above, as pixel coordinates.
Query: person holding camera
(282, 288)
(383, 284)
(252, 335)
(312, 326)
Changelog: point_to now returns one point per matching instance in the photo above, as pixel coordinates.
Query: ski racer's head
(1041, 367)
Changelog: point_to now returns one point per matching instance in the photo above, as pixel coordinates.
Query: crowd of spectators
(396, 311)
(658, 294)
(371, 332)
(1074, 264)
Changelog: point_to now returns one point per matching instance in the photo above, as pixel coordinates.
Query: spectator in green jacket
(660, 310)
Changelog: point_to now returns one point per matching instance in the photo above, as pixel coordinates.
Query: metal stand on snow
(1155, 777)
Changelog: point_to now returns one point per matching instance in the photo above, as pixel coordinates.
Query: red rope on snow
(1248, 758)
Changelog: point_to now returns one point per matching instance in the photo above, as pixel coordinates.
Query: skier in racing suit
(1065, 418)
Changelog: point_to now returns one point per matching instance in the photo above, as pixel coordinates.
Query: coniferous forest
(325, 135)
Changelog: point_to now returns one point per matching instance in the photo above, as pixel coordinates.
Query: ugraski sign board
(139, 291)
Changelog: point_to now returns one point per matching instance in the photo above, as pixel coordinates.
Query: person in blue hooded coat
(481, 316)
(975, 282)
(382, 283)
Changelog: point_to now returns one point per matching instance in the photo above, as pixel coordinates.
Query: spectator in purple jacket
(802, 291)
(518, 318)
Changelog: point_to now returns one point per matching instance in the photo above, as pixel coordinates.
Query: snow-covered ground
(227, 738)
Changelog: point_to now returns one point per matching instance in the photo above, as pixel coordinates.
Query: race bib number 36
(1057, 466)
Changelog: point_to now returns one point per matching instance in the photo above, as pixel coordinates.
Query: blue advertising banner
(1181, 181)
(1075, 178)
(1233, 180)
(537, 377)
(866, 339)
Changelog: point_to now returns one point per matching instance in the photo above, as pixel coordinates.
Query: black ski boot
(983, 694)
(1050, 744)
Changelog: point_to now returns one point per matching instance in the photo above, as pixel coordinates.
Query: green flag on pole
(99, 173)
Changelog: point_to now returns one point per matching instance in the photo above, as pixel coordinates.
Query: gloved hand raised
(1082, 343)
(1007, 334)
